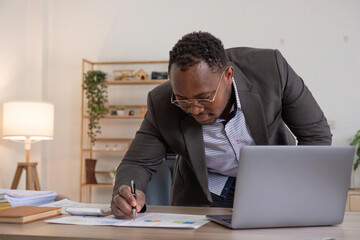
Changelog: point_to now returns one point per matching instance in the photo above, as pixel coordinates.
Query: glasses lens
(187, 103)
(203, 102)
(182, 104)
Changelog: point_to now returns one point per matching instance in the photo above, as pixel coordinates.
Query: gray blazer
(274, 99)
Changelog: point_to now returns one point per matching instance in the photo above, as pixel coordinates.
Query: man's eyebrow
(196, 96)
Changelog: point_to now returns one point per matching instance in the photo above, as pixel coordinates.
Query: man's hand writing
(123, 201)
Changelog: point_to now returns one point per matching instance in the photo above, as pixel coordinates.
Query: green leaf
(356, 164)
(356, 142)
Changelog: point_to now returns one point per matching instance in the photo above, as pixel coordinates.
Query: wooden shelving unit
(134, 82)
(87, 149)
(353, 200)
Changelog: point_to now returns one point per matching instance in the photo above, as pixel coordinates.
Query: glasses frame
(187, 103)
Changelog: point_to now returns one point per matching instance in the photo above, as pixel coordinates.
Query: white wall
(43, 41)
(21, 74)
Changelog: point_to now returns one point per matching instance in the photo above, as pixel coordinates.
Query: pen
(134, 194)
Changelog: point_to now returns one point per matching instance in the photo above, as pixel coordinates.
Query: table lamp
(28, 122)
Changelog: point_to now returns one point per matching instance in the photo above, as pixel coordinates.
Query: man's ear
(228, 75)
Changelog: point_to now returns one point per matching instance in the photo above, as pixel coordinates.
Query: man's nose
(195, 109)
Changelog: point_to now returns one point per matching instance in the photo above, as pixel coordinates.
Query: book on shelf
(25, 214)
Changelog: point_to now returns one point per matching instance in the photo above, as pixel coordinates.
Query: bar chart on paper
(163, 220)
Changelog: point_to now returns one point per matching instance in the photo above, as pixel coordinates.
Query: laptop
(290, 186)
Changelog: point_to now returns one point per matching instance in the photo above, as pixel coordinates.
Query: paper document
(16, 198)
(78, 208)
(162, 220)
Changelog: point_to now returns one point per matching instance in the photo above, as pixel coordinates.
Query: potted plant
(356, 142)
(120, 110)
(96, 94)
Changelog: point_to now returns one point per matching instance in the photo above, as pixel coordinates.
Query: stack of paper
(15, 198)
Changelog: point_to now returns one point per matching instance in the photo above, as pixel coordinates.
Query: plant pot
(90, 171)
(120, 112)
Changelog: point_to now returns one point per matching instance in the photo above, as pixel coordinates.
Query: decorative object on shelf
(120, 110)
(115, 147)
(96, 94)
(126, 74)
(113, 112)
(141, 75)
(159, 75)
(131, 112)
(356, 142)
(28, 122)
(112, 174)
(143, 111)
(90, 171)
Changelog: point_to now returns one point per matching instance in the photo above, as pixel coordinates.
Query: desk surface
(348, 230)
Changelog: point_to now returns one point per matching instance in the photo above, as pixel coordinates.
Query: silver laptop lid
(281, 186)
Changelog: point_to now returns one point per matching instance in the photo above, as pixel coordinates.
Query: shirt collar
(235, 106)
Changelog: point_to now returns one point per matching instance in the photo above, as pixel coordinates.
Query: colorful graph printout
(163, 220)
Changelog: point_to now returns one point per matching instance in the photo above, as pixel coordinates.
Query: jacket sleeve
(145, 153)
(300, 111)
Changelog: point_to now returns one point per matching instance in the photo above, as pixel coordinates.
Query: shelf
(128, 106)
(120, 117)
(135, 82)
(125, 62)
(104, 151)
(102, 172)
(98, 185)
(128, 140)
(123, 117)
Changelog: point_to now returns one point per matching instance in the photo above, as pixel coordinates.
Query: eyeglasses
(200, 102)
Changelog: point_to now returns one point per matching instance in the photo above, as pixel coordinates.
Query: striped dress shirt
(223, 141)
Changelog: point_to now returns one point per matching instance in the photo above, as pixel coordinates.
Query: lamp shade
(28, 120)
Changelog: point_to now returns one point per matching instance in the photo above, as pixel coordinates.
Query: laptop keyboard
(227, 220)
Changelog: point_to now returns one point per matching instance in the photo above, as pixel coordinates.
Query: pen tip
(134, 213)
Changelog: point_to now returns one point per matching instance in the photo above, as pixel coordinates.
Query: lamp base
(32, 178)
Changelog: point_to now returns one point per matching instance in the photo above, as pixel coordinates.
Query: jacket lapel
(252, 108)
(194, 141)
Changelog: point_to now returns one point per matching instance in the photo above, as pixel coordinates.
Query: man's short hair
(195, 47)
